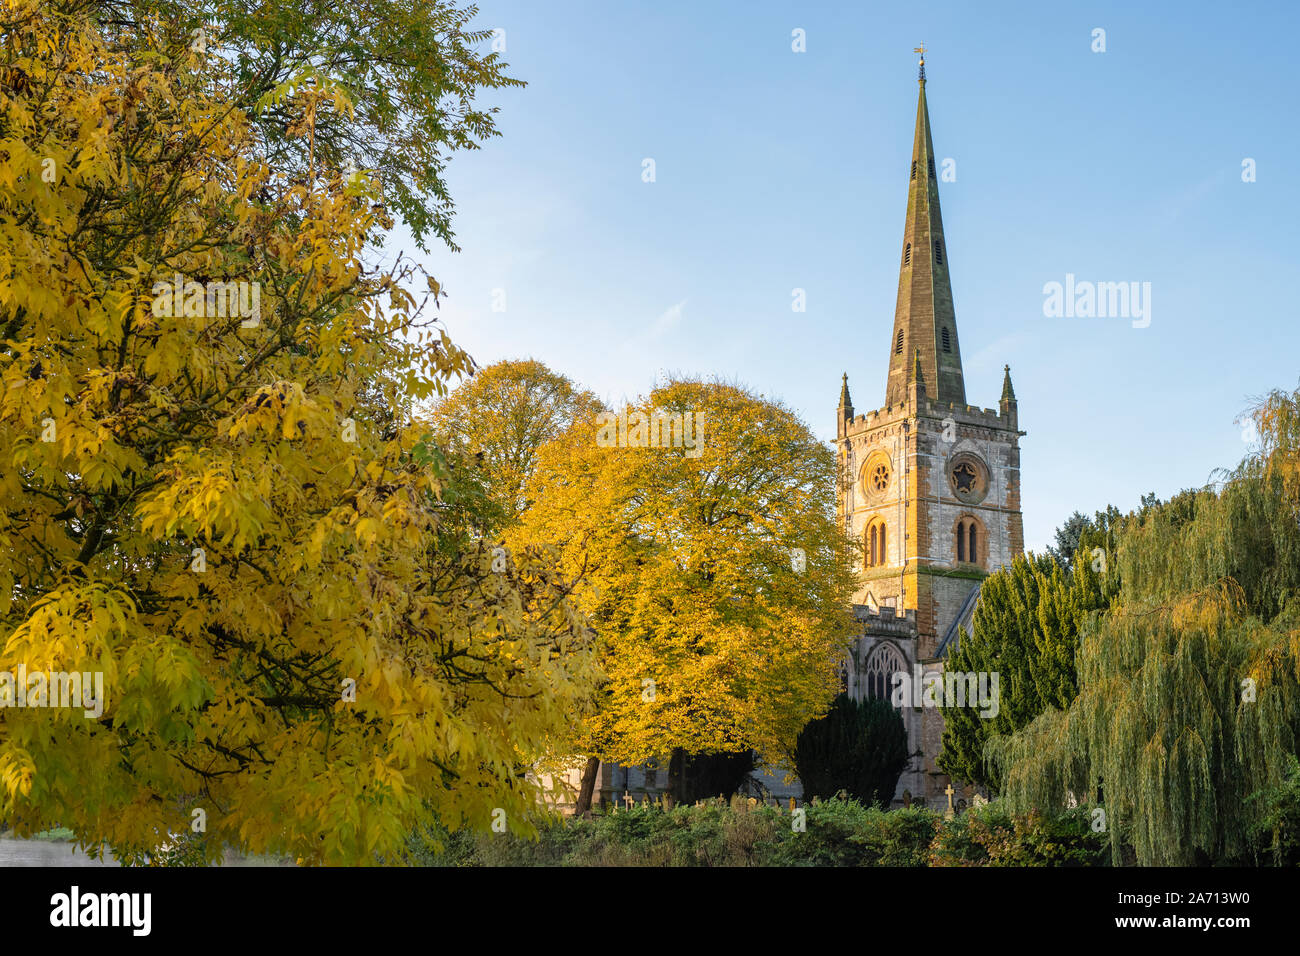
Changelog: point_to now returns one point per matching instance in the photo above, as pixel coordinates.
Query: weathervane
(921, 50)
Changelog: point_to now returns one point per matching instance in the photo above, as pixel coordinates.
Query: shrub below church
(859, 747)
(846, 833)
(991, 836)
(1276, 833)
(836, 833)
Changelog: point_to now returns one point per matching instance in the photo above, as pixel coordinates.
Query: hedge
(835, 833)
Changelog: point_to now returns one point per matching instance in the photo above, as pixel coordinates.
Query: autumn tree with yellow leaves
(710, 564)
(500, 419)
(211, 489)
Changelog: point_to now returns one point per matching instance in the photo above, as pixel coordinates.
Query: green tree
(1025, 629)
(1081, 533)
(1067, 538)
(859, 747)
(411, 71)
(1189, 686)
(1276, 830)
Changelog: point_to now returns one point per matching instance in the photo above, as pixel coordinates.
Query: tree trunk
(677, 788)
(588, 787)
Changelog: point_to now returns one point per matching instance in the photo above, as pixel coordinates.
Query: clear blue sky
(778, 170)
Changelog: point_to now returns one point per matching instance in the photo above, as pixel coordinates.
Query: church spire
(924, 319)
(845, 408)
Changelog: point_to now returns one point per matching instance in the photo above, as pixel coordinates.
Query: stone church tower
(930, 486)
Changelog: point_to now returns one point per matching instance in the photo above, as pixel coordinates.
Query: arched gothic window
(883, 663)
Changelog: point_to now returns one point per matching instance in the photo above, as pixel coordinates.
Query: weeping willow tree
(1189, 685)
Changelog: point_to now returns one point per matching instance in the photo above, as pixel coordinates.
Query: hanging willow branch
(1189, 686)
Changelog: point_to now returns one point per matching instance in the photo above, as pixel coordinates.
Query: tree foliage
(500, 419)
(1189, 687)
(859, 747)
(1067, 538)
(704, 776)
(232, 522)
(1025, 630)
(411, 72)
(1083, 534)
(711, 640)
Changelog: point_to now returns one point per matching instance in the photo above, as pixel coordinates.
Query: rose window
(880, 477)
(965, 477)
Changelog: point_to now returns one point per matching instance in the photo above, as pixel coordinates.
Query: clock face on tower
(968, 477)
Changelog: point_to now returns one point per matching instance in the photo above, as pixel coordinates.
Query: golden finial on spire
(921, 50)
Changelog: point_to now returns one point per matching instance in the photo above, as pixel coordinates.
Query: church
(929, 490)
(930, 486)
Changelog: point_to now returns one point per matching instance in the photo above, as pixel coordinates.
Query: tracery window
(883, 663)
(880, 477)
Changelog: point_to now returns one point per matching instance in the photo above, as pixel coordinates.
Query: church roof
(965, 618)
(924, 318)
